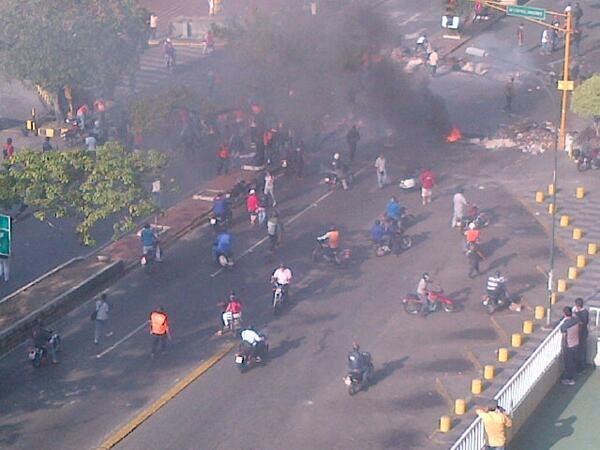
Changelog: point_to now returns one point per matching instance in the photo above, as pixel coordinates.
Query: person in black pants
(570, 331)
(584, 318)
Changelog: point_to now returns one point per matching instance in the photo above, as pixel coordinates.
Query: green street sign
(5, 235)
(526, 11)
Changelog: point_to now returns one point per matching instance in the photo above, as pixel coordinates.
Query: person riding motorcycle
(359, 362)
(221, 208)
(254, 342)
(496, 288)
(222, 245)
(282, 276)
(150, 242)
(233, 309)
(340, 170)
(332, 238)
(423, 289)
(394, 211)
(41, 339)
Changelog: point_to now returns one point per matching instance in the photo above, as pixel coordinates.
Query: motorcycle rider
(255, 342)
(340, 170)
(233, 309)
(423, 292)
(359, 362)
(150, 242)
(394, 211)
(496, 288)
(332, 238)
(221, 208)
(378, 233)
(222, 245)
(41, 339)
(282, 276)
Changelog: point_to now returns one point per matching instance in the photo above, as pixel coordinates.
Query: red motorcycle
(413, 304)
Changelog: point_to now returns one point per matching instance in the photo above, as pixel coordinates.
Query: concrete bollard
(540, 312)
(553, 298)
(579, 192)
(539, 197)
(592, 248)
(460, 406)
(489, 372)
(527, 327)
(503, 354)
(445, 424)
(516, 340)
(581, 261)
(551, 189)
(561, 285)
(564, 221)
(551, 209)
(572, 273)
(577, 233)
(476, 386)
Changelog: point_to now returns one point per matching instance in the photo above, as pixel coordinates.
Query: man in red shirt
(232, 312)
(427, 182)
(224, 155)
(8, 149)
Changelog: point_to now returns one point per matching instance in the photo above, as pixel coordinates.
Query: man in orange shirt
(472, 234)
(159, 329)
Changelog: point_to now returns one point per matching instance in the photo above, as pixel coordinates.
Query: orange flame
(454, 136)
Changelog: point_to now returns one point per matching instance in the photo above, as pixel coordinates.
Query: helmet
(426, 276)
(252, 192)
(336, 156)
(377, 222)
(231, 294)
(332, 228)
(169, 40)
(146, 225)
(281, 264)
(472, 226)
(392, 198)
(498, 274)
(355, 346)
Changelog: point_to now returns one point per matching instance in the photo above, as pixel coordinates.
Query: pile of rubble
(527, 136)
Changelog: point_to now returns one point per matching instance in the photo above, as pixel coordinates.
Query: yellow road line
(125, 430)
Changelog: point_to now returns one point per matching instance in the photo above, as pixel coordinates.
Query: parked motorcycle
(37, 354)
(321, 252)
(355, 381)
(413, 304)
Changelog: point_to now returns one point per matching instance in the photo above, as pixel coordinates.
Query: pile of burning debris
(527, 136)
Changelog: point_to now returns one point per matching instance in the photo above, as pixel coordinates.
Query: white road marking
(120, 341)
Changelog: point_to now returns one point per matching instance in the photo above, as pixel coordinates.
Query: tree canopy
(76, 43)
(586, 98)
(87, 187)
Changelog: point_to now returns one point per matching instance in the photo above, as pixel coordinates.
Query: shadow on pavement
(387, 369)
(285, 346)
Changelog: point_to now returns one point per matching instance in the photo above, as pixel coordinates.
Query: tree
(84, 44)
(77, 184)
(586, 100)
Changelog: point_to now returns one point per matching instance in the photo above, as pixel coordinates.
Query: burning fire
(454, 136)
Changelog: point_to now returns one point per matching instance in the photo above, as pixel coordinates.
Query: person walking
(269, 186)
(153, 25)
(159, 329)
(381, 171)
(495, 422)
(570, 331)
(427, 180)
(100, 317)
(298, 163)
(5, 267)
(274, 230)
(8, 149)
(432, 61)
(474, 256)
(459, 204)
(509, 94)
(577, 14)
(584, 318)
(546, 43)
(224, 156)
(576, 39)
(521, 35)
(352, 139)
(46, 145)
(252, 206)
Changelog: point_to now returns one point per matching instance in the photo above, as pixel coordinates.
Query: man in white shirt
(460, 208)
(90, 142)
(381, 171)
(282, 275)
(256, 342)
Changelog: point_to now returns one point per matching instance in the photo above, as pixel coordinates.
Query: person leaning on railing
(495, 421)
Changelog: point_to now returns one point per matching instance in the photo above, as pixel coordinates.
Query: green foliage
(77, 184)
(586, 98)
(78, 43)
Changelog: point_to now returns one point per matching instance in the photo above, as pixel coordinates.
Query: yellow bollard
(551, 189)
(553, 298)
(581, 261)
(445, 424)
(516, 340)
(539, 197)
(572, 274)
(551, 209)
(592, 248)
(564, 221)
(527, 327)
(561, 285)
(460, 406)
(503, 354)
(489, 372)
(580, 192)
(476, 386)
(577, 233)
(540, 312)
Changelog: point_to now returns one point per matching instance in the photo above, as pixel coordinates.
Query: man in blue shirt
(221, 208)
(222, 245)
(393, 210)
(377, 232)
(149, 241)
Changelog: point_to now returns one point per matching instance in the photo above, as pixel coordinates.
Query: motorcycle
(234, 322)
(355, 380)
(279, 294)
(245, 359)
(73, 135)
(321, 252)
(37, 354)
(219, 223)
(225, 261)
(586, 160)
(496, 303)
(474, 215)
(334, 180)
(412, 303)
(403, 241)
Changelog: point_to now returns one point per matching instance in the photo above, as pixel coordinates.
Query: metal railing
(514, 391)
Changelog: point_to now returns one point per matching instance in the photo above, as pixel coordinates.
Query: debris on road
(527, 136)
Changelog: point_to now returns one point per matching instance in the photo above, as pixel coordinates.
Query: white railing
(514, 391)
